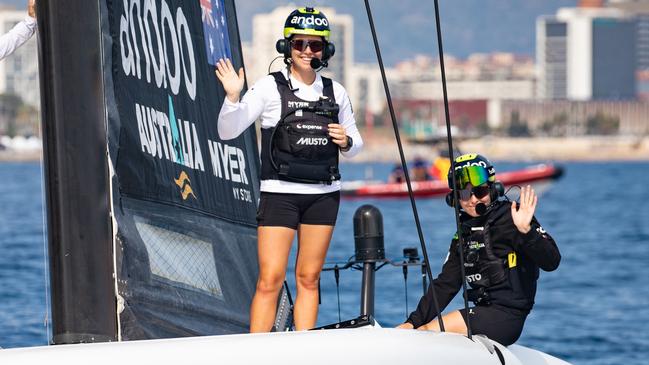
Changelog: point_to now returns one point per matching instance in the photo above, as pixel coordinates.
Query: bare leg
(273, 247)
(453, 322)
(313, 242)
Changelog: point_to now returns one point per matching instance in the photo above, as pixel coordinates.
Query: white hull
(344, 346)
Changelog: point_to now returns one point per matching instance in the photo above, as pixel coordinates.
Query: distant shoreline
(20, 156)
(383, 148)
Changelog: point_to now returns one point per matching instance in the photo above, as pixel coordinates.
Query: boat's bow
(350, 346)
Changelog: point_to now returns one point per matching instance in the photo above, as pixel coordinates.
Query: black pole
(402, 156)
(368, 241)
(449, 136)
(367, 292)
(424, 284)
(76, 172)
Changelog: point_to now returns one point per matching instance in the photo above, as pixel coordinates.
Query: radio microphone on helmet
(481, 208)
(316, 63)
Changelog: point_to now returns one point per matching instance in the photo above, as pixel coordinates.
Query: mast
(76, 172)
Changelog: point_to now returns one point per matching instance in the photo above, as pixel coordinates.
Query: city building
(565, 118)
(475, 88)
(585, 53)
(19, 71)
(639, 9)
(365, 89)
(480, 76)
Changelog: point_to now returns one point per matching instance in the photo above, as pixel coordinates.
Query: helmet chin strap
(288, 76)
(316, 64)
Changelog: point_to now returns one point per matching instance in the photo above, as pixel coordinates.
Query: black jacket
(534, 250)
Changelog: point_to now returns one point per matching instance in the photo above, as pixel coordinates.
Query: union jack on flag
(215, 29)
(206, 12)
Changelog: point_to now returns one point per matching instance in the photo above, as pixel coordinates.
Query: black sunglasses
(300, 45)
(479, 192)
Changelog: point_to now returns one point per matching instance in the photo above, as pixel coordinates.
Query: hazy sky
(19, 4)
(407, 27)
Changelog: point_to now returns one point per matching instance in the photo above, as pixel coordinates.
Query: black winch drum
(368, 234)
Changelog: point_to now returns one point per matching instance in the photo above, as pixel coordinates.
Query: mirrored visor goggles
(476, 175)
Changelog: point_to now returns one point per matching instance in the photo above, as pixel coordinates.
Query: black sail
(178, 217)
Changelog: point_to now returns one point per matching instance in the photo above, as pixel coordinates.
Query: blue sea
(592, 310)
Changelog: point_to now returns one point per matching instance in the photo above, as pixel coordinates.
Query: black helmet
(472, 168)
(307, 21)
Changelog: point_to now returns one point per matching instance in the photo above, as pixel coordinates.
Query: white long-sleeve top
(18, 35)
(263, 101)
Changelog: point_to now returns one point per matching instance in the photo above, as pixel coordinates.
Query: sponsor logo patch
(309, 20)
(309, 126)
(474, 277)
(298, 104)
(511, 260)
(479, 163)
(312, 141)
(183, 183)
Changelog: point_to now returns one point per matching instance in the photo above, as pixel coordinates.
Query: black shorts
(501, 324)
(290, 210)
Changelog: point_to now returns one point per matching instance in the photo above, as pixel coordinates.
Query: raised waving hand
(522, 216)
(231, 80)
(31, 8)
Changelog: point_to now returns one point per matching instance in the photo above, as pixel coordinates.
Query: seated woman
(503, 246)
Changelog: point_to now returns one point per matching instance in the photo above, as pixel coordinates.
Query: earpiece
(497, 190)
(328, 51)
(450, 200)
(283, 46)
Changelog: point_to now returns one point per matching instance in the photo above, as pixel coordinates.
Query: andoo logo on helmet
(475, 163)
(309, 20)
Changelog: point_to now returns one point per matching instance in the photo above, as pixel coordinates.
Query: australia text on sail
(179, 142)
(155, 41)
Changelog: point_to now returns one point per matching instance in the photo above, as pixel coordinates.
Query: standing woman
(306, 121)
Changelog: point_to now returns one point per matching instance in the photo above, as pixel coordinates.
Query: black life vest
(299, 148)
(503, 273)
(484, 269)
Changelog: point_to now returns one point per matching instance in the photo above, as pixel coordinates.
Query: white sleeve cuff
(227, 102)
(30, 22)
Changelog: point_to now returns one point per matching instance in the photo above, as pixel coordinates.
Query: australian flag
(215, 28)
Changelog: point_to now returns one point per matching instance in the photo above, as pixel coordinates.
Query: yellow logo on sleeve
(511, 260)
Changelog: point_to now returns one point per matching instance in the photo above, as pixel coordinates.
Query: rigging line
(395, 127)
(337, 277)
(405, 284)
(452, 157)
(46, 271)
